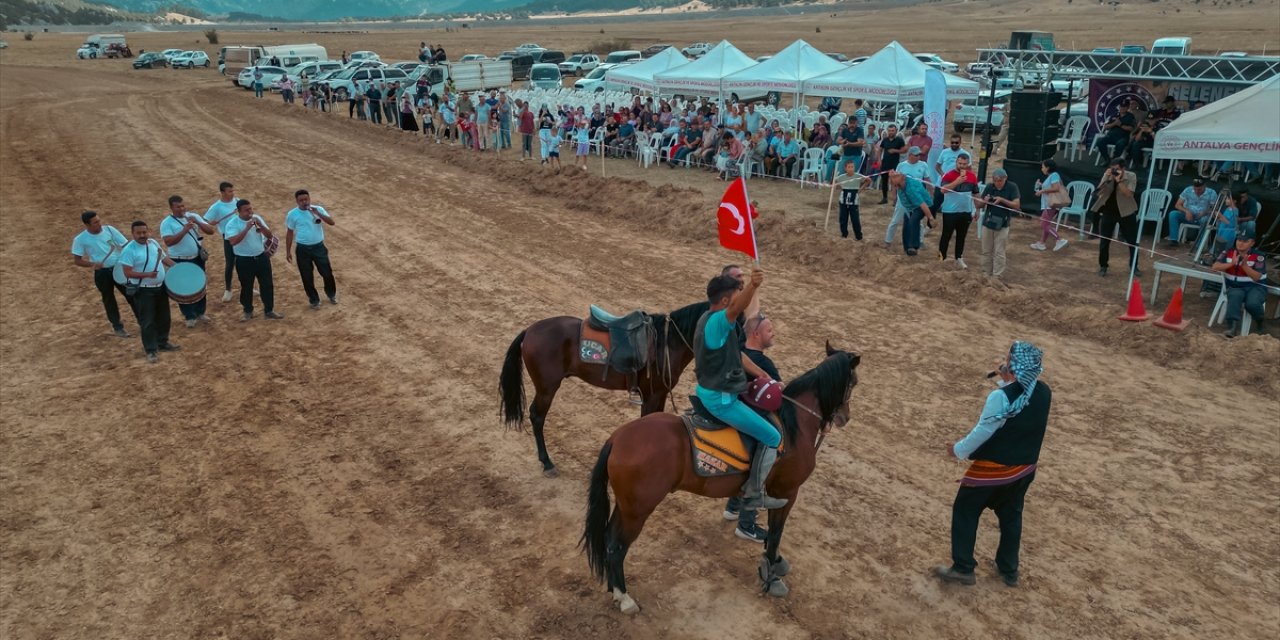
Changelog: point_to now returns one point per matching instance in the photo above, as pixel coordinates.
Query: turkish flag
(733, 220)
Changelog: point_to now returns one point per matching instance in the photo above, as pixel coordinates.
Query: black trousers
(885, 168)
(195, 309)
(107, 287)
(849, 214)
(1006, 501)
(1128, 232)
(312, 258)
(152, 306)
(255, 268)
(229, 256)
(958, 224)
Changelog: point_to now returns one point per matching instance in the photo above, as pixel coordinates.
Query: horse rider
(721, 369)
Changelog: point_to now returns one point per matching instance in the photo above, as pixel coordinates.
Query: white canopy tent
(703, 76)
(891, 75)
(784, 72)
(640, 75)
(1243, 127)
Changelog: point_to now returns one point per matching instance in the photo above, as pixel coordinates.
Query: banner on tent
(1105, 96)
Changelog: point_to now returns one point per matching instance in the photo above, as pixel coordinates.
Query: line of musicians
(138, 267)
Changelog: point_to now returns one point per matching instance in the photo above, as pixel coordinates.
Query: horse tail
(511, 385)
(595, 533)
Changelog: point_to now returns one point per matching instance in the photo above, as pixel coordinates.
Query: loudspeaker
(1035, 135)
(1033, 152)
(1033, 125)
(1024, 174)
(1034, 100)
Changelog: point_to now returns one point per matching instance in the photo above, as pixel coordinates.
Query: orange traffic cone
(1137, 311)
(1172, 318)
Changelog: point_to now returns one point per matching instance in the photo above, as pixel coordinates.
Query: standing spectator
(1004, 447)
(354, 100)
(860, 113)
(345, 59)
(504, 120)
(527, 129)
(257, 82)
(373, 97)
(852, 141)
(1052, 183)
(999, 199)
(921, 140)
(1244, 274)
(891, 148)
(408, 118)
(1114, 201)
(871, 152)
(1192, 207)
(752, 120)
(546, 133)
(946, 162)
(483, 109)
(286, 89)
(389, 108)
(850, 183)
(275, 61)
(428, 114)
(582, 137)
(959, 186)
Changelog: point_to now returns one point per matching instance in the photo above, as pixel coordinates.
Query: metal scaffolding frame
(1084, 64)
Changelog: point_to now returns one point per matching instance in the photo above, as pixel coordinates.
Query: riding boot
(753, 495)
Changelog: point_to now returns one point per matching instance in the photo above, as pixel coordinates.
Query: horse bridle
(666, 375)
(822, 431)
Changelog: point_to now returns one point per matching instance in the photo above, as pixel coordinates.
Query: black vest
(1018, 441)
(719, 369)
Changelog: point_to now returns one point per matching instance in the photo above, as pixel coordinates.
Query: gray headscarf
(1024, 362)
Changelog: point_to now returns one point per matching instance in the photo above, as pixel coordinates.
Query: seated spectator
(690, 141)
(708, 147)
(1116, 132)
(1143, 138)
(788, 152)
(1226, 220)
(1168, 113)
(757, 147)
(1249, 208)
(1244, 275)
(730, 156)
(625, 143)
(821, 136)
(610, 135)
(1193, 207)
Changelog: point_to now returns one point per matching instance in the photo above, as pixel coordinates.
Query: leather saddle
(631, 337)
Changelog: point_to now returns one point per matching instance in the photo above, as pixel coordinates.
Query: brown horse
(646, 459)
(550, 350)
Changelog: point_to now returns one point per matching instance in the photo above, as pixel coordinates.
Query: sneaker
(730, 514)
(169, 346)
(191, 323)
(246, 317)
(315, 306)
(152, 357)
(333, 299)
(1102, 272)
(226, 296)
(1038, 246)
(272, 315)
(912, 252)
(205, 319)
(1062, 242)
(755, 533)
(960, 263)
(121, 333)
(947, 574)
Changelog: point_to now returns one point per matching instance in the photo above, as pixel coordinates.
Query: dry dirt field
(343, 473)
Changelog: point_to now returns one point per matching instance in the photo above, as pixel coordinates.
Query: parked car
(364, 55)
(858, 60)
(698, 49)
(972, 113)
(314, 70)
(544, 76)
(1104, 50)
(580, 64)
(190, 60)
(88, 51)
(1133, 48)
(4, 45)
(170, 53)
(1224, 54)
(936, 61)
(520, 65)
(529, 46)
(150, 60)
(366, 64)
(548, 56)
(653, 50)
(595, 80)
(270, 76)
(979, 69)
(838, 57)
(406, 66)
(343, 84)
(1177, 46)
(763, 58)
(473, 56)
(619, 57)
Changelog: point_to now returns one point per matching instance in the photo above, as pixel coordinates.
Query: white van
(95, 46)
(1171, 47)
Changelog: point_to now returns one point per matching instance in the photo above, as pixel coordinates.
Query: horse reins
(666, 375)
(822, 431)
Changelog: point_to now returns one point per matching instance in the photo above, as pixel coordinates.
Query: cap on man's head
(1199, 182)
(913, 151)
(1000, 173)
(1245, 235)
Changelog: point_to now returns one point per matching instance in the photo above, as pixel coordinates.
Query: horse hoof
(628, 606)
(781, 567)
(551, 473)
(777, 588)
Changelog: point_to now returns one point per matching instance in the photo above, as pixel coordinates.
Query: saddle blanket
(720, 450)
(593, 345)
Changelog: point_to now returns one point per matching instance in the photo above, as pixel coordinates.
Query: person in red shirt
(526, 131)
(960, 187)
(1244, 275)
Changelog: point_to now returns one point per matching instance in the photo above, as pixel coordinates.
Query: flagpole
(750, 221)
(827, 223)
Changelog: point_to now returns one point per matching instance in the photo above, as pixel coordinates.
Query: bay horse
(549, 349)
(648, 458)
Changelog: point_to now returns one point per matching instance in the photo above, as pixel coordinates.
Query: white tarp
(640, 75)
(703, 76)
(784, 72)
(891, 75)
(1241, 127)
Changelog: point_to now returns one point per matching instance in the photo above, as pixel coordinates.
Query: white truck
(96, 45)
(475, 75)
(236, 57)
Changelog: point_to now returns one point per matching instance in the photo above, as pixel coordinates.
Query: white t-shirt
(189, 245)
(219, 213)
(143, 258)
(947, 158)
(307, 228)
(96, 247)
(252, 244)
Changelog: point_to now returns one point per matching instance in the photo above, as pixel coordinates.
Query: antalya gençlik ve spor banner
(1105, 96)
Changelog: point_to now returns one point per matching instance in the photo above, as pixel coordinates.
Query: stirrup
(634, 396)
(762, 501)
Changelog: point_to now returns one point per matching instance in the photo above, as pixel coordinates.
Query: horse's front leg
(772, 565)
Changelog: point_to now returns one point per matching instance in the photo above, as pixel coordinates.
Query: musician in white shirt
(306, 224)
(143, 262)
(219, 213)
(180, 231)
(98, 248)
(248, 234)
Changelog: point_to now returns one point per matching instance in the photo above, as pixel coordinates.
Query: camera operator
(1115, 204)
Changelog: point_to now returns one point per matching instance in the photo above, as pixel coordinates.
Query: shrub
(212, 36)
(604, 47)
(28, 36)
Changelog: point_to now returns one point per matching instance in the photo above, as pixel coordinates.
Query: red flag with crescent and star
(737, 233)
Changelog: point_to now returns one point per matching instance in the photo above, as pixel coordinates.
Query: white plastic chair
(1152, 208)
(813, 166)
(1073, 135)
(597, 142)
(652, 151)
(1079, 191)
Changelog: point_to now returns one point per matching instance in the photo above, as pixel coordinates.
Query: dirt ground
(343, 473)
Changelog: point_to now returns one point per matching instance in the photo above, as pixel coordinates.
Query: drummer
(144, 262)
(98, 248)
(179, 231)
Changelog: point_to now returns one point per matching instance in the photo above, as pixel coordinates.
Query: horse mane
(828, 381)
(685, 320)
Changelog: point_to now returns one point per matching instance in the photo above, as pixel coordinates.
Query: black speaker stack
(1034, 129)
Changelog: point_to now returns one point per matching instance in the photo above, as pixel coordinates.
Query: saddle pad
(593, 345)
(717, 453)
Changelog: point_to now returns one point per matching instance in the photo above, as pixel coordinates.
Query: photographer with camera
(1000, 199)
(1115, 204)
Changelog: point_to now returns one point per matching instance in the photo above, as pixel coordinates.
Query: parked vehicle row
(174, 58)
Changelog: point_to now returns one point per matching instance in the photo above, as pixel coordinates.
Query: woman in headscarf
(1004, 448)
